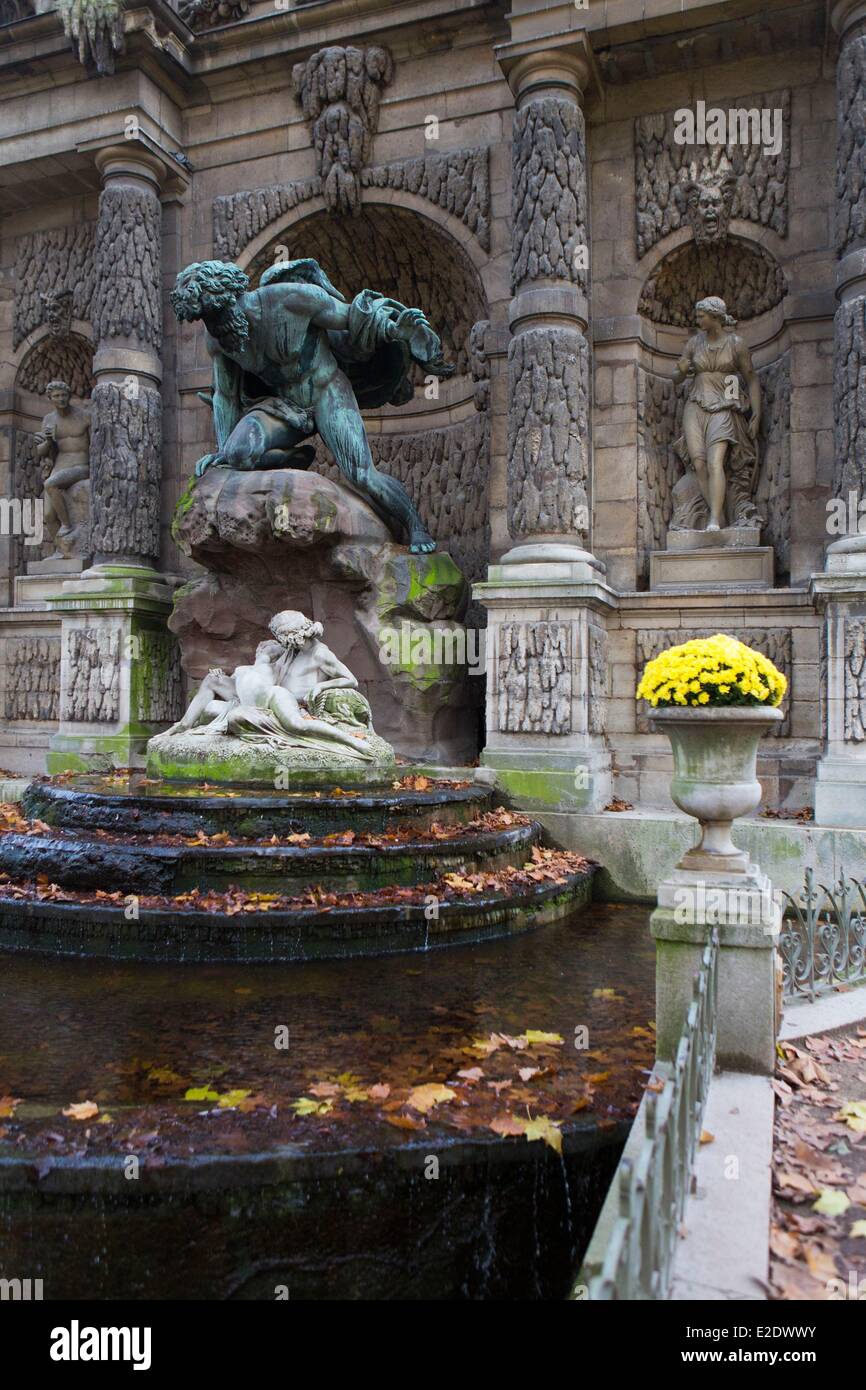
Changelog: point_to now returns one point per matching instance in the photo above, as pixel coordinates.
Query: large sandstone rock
(291, 539)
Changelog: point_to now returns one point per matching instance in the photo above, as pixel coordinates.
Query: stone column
(547, 668)
(549, 356)
(120, 677)
(126, 431)
(840, 793)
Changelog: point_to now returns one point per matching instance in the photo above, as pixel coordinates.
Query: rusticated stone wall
(156, 666)
(855, 680)
(456, 181)
(31, 688)
(45, 262)
(549, 210)
(663, 167)
(548, 432)
(68, 359)
(747, 278)
(534, 678)
(125, 469)
(92, 694)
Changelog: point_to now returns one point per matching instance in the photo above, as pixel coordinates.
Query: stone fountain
(275, 820)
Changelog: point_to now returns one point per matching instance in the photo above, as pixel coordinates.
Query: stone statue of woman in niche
(720, 426)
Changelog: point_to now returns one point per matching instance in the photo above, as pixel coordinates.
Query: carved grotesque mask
(708, 206)
(58, 311)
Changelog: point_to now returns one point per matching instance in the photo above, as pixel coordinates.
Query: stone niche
(271, 540)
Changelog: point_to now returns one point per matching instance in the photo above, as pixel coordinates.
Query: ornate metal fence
(823, 936)
(632, 1257)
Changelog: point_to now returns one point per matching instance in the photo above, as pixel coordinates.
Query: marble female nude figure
(293, 358)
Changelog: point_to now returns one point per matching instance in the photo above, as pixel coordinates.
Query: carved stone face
(58, 311)
(59, 396)
(706, 321)
(292, 630)
(709, 208)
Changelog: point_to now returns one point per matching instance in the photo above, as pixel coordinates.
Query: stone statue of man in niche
(293, 358)
(720, 426)
(63, 446)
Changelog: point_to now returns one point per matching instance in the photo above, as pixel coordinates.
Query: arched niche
(745, 274)
(398, 252)
(438, 445)
(52, 357)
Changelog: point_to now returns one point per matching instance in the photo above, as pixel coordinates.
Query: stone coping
(640, 848)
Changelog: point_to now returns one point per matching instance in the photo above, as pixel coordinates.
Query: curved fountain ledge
(94, 803)
(504, 1219)
(75, 857)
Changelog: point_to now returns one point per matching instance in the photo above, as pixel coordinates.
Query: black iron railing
(631, 1256)
(823, 938)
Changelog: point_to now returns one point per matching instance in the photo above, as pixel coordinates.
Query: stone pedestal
(744, 908)
(32, 590)
(63, 565)
(729, 538)
(713, 566)
(548, 683)
(840, 791)
(840, 786)
(271, 540)
(120, 677)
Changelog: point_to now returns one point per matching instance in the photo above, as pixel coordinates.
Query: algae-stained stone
(271, 540)
(217, 759)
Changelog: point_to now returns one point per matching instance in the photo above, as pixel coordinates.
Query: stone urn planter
(715, 752)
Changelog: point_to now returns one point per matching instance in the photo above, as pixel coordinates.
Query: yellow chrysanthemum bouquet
(711, 671)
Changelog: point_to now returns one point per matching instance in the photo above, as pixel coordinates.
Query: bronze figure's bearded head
(207, 287)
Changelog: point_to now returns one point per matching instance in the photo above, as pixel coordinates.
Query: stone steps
(74, 852)
(92, 803)
(195, 937)
(79, 860)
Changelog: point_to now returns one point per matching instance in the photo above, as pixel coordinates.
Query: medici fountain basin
(136, 869)
(232, 1065)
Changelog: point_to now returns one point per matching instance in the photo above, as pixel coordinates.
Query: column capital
(560, 65)
(140, 158)
(130, 160)
(844, 14)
